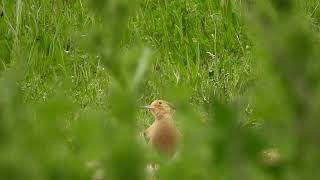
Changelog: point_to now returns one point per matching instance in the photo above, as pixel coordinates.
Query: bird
(163, 135)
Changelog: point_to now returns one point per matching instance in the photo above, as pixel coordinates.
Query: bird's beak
(147, 107)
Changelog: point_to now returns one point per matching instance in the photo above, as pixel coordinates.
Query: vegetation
(243, 75)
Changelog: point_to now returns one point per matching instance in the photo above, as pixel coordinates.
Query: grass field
(75, 72)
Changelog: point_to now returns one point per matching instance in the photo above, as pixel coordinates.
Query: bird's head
(160, 108)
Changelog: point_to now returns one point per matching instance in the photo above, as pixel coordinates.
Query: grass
(182, 47)
(70, 69)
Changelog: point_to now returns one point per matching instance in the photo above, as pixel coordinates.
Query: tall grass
(243, 76)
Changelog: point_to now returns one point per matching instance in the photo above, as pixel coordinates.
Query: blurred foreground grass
(244, 76)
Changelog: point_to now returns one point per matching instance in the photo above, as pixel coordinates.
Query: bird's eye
(160, 102)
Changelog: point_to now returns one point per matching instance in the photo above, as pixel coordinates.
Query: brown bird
(163, 135)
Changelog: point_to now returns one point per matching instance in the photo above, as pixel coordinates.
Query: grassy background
(184, 37)
(74, 73)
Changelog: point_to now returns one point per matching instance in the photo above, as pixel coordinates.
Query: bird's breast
(164, 138)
